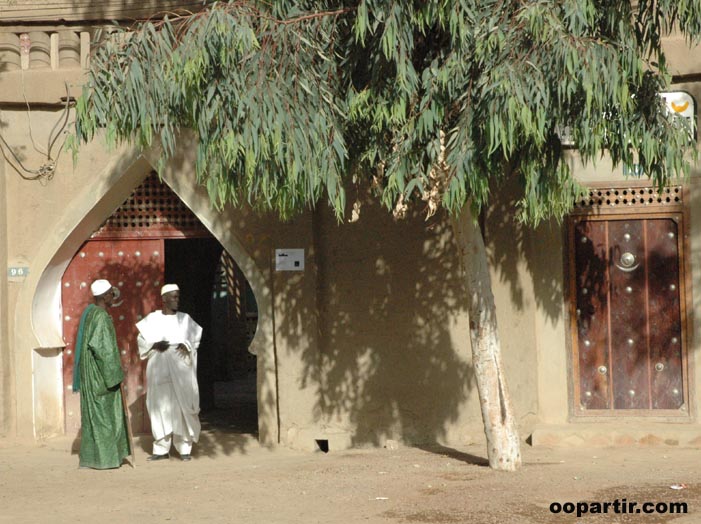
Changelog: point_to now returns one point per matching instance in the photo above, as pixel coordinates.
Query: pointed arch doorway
(150, 239)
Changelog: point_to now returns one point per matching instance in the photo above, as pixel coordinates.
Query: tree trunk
(503, 447)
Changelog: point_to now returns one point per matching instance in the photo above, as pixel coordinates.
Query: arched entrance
(151, 239)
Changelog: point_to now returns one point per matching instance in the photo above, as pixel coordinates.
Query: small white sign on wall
(289, 260)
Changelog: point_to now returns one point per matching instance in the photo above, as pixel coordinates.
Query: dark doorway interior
(215, 293)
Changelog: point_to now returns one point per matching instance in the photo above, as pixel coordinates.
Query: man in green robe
(97, 374)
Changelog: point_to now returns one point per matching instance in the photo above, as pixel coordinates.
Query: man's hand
(161, 346)
(182, 350)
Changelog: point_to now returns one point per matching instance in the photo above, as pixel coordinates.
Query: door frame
(610, 203)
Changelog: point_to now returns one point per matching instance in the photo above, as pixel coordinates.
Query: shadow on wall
(394, 361)
(510, 245)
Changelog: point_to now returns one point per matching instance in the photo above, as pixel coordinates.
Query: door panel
(629, 343)
(665, 316)
(592, 314)
(629, 363)
(136, 268)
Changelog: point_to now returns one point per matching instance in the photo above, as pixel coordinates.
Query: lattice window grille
(152, 206)
(630, 197)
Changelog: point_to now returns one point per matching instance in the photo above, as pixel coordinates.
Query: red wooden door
(135, 268)
(629, 340)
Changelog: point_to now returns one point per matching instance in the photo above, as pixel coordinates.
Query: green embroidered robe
(104, 443)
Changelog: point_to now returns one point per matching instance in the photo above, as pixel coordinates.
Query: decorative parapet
(48, 49)
(38, 65)
(60, 11)
(45, 44)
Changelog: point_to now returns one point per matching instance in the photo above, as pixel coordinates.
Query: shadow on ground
(461, 456)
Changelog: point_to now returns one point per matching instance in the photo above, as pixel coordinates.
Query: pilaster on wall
(296, 328)
(546, 246)
(6, 365)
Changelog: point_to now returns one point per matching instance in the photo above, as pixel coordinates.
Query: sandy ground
(232, 479)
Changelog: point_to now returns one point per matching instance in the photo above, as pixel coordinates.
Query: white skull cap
(169, 288)
(100, 287)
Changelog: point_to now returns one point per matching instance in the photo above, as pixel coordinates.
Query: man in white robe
(169, 340)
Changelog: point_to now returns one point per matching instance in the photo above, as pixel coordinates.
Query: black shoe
(185, 458)
(158, 457)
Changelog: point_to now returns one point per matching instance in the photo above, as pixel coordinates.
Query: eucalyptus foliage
(434, 100)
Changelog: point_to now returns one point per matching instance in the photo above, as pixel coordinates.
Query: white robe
(172, 395)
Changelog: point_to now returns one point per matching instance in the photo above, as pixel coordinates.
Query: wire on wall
(47, 169)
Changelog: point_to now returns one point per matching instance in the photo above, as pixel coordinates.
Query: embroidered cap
(100, 287)
(168, 288)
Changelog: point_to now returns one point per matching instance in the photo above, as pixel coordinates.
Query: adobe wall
(395, 353)
(320, 377)
(6, 375)
(370, 342)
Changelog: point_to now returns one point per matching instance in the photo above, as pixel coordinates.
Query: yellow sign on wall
(681, 104)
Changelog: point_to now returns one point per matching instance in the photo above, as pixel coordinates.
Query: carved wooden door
(629, 316)
(135, 267)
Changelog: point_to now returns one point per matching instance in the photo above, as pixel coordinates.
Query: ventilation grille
(152, 210)
(630, 198)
